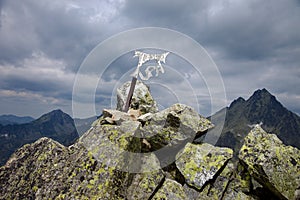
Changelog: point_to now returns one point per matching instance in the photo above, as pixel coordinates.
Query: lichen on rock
(215, 189)
(169, 130)
(170, 190)
(199, 163)
(273, 164)
(142, 99)
(144, 184)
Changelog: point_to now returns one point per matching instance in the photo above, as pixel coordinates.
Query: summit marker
(143, 58)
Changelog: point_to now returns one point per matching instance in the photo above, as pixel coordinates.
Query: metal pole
(130, 94)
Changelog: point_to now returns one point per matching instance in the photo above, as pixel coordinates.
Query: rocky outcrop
(170, 190)
(200, 163)
(141, 100)
(169, 130)
(271, 163)
(152, 156)
(104, 162)
(46, 169)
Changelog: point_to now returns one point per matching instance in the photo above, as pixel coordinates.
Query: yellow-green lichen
(200, 163)
(171, 190)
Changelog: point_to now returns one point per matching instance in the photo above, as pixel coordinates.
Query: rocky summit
(261, 108)
(151, 154)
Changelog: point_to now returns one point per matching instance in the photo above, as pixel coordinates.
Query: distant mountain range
(12, 119)
(241, 115)
(56, 125)
(261, 108)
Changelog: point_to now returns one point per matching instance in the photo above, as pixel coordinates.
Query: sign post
(143, 58)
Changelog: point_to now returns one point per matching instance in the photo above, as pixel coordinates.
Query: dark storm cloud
(183, 16)
(254, 30)
(248, 29)
(255, 44)
(59, 30)
(1, 5)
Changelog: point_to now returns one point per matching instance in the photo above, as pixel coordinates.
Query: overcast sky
(255, 44)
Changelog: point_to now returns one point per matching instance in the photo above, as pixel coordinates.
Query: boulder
(239, 185)
(199, 164)
(178, 122)
(216, 189)
(145, 184)
(49, 170)
(169, 130)
(141, 100)
(170, 190)
(271, 163)
(115, 145)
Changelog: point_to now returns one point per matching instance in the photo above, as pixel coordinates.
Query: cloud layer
(255, 44)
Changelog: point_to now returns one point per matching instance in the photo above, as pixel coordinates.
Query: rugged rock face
(272, 164)
(261, 107)
(200, 163)
(151, 156)
(170, 190)
(141, 99)
(47, 169)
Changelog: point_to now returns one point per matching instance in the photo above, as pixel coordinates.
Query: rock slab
(200, 163)
(273, 164)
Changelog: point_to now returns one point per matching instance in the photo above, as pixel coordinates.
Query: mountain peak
(237, 101)
(262, 92)
(54, 114)
(263, 98)
(57, 111)
(263, 107)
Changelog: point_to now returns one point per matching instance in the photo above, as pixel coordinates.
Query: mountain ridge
(9, 119)
(55, 124)
(260, 108)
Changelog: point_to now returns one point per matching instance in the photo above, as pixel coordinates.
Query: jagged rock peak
(166, 132)
(262, 95)
(261, 92)
(141, 100)
(103, 163)
(237, 101)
